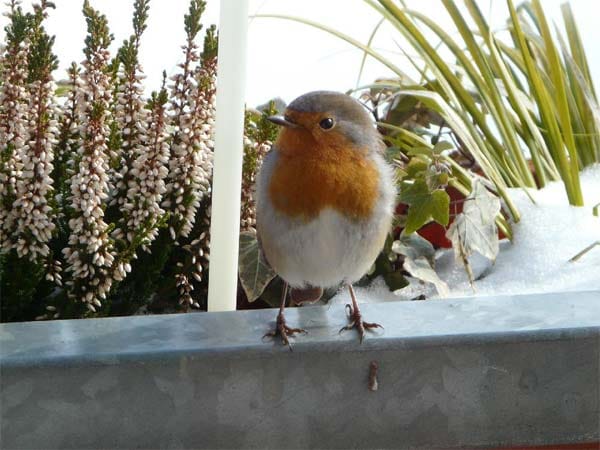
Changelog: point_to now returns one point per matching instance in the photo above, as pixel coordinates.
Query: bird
(325, 199)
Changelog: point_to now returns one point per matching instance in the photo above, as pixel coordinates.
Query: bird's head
(323, 121)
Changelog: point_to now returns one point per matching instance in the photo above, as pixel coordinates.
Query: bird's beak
(280, 120)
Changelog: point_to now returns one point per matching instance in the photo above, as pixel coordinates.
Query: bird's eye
(327, 123)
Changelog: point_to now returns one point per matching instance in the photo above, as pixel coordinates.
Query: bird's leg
(356, 318)
(281, 328)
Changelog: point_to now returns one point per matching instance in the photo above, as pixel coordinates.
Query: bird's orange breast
(307, 179)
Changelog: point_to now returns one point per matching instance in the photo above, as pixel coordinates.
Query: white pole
(227, 171)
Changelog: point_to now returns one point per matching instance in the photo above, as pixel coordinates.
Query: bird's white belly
(325, 251)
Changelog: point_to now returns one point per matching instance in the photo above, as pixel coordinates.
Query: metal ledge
(493, 371)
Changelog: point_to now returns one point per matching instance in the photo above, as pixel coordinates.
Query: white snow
(549, 234)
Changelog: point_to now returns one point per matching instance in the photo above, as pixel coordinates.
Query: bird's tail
(306, 295)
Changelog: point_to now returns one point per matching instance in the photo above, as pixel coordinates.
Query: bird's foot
(356, 321)
(281, 329)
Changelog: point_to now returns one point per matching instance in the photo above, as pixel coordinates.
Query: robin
(324, 201)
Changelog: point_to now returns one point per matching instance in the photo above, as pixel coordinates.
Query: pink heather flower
(33, 216)
(132, 118)
(90, 255)
(248, 208)
(142, 206)
(14, 100)
(190, 167)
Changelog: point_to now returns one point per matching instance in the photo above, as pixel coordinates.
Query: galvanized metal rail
(481, 372)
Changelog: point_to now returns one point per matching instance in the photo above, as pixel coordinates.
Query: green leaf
(482, 202)
(365, 54)
(474, 230)
(421, 268)
(424, 205)
(255, 274)
(271, 295)
(400, 173)
(416, 167)
(441, 146)
(414, 246)
(395, 280)
(420, 151)
(440, 207)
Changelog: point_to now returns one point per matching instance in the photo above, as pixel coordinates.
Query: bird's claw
(357, 322)
(281, 329)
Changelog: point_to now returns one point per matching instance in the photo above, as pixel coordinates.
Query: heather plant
(260, 135)
(192, 104)
(190, 167)
(131, 117)
(105, 192)
(27, 136)
(90, 254)
(13, 118)
(31, 213)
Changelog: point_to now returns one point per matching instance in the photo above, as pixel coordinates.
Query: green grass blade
(365, 54)
(494, 101)
(406, 136)
(480, 87)
(557, 75)
(544, 102)
(584, 110)
(537, 145)
(451, 86)
(576, 45)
